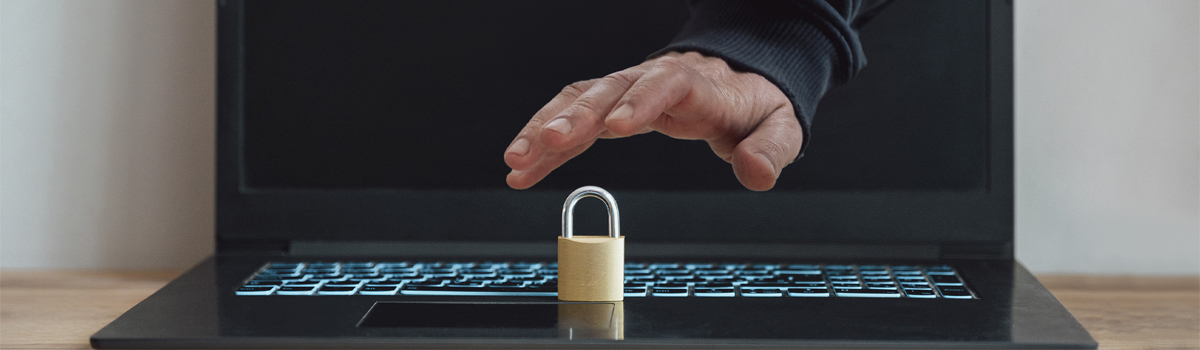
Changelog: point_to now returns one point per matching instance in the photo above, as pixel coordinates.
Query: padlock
(591, 268)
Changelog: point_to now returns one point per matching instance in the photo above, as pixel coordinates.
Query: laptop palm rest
(571, 320)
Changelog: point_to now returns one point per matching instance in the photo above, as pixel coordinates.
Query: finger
(759, 159)
(527, 147)
(671, 97)
(583, 120)
(525, 178)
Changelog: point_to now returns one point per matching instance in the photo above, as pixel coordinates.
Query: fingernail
(769, 163)
(520, 147)
(560, 125)
(622, 113)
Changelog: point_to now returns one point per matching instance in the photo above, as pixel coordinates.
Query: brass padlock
(591, 268)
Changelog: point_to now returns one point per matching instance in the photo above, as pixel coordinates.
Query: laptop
(361, 200)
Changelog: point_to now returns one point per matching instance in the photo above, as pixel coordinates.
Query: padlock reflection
(591, 321)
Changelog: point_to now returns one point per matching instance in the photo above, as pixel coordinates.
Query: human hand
(746, 119)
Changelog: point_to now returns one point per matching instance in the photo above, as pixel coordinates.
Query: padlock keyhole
(591, 217)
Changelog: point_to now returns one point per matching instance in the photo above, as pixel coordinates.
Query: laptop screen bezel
(269, 219)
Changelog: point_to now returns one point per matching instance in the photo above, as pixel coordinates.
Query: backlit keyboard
(642, 280)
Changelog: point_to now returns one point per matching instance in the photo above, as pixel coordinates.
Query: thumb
(759, 159)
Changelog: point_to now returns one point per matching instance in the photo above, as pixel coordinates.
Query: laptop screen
(376, 98)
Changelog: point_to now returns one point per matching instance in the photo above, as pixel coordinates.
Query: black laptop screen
(428, 94)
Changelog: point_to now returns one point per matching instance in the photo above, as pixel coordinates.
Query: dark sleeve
(805, 47)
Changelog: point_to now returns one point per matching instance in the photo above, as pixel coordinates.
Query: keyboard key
(635, 291)
(814, 272)
(636, 284)
(516, 273)
(673, 273)
(279, 277)
(808, 292)
(264, 283)
(525, 266)
(921, 285)
(803, 267)
(945, 280)
(671, 285)
(490, 265)
(507, 285)
(867, 293)
(765, 284)
(910, 278)
(872, 272)
(773, 292)
(255, 290)
(332, 290)
(803, 278)
(870, 278)
(467, 284)
(476, 272)
(942, 268)
(636, 266)
(283, 265)
(528, 279)
(732, 266)
(342, 284)
(765, 266)
(401, 273)
(385, 283)
(698, 266)
(809, 284)
(951, 292)
(713, 284)
(713, 292)
(669, 292)
(286, 290)
(904, 268)
(712, 272)
(663, 266)
(456, 291)
(839, 267)
(920, 293)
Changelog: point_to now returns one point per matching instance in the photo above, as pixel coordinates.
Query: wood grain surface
(60, 310)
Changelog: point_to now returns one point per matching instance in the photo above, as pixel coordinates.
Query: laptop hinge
(253, 246)
(632, 251)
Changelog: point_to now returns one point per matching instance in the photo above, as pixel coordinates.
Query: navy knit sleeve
(805, 47)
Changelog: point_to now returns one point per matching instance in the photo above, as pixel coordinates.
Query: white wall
(106, 136)
(1107, 111)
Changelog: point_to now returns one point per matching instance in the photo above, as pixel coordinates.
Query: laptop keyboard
(642, 280)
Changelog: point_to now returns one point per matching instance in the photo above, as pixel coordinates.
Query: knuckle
(574, 90)
(670, 64)
(622, 78)
(583, 108)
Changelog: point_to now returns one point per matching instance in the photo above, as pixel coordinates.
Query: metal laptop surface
(280, 202)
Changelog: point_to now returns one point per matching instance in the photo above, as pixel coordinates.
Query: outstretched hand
(746, 119)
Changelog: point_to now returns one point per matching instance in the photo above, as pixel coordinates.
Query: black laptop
(361, 200)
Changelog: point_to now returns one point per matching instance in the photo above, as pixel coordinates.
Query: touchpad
(483, 315)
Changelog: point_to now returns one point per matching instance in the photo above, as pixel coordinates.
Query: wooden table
(60, 310)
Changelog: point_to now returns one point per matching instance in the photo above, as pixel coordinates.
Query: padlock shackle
(568, 216)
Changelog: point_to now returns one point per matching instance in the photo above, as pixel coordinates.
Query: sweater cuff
(790, 46)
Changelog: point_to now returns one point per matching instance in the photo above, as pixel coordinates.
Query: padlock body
(591, 268)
